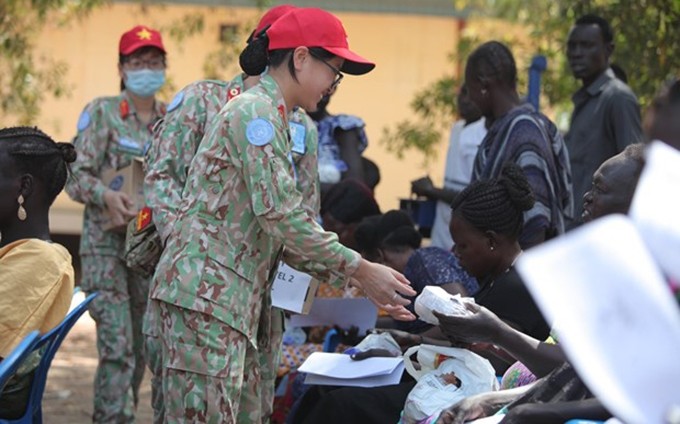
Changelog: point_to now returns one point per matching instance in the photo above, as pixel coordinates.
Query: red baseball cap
(272, 15)
(138, 37)
(313, 27)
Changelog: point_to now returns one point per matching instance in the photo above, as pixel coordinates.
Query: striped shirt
(531, 140)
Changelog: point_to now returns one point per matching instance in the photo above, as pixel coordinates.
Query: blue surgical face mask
(144, 82)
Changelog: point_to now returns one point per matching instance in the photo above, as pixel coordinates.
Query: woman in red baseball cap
(112, 131)
(240, 208)
(141, 62)
(304, 39)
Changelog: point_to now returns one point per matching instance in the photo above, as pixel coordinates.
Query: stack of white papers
(616, 319)
(605, 287)
(656, 207)
(337, 369)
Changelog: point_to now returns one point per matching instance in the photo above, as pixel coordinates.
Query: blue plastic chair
(48, 344)
(11, 363)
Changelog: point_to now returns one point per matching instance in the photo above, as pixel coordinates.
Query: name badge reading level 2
(293, 290)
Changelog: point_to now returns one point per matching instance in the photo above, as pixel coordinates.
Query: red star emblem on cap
(144, 34)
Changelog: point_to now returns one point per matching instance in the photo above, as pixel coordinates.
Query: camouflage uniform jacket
(239, 206)
(109, 136)
(177, 137)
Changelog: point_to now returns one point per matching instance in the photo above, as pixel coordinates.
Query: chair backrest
(11, 363)
(48, 345)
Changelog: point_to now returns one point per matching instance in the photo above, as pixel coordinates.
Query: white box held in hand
(435, 298)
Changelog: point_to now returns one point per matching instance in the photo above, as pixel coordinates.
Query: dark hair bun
(68, 152)
(518, 188)
(254, 58)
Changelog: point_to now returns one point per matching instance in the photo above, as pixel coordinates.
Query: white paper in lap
(619, 324)
(656, 206)
(338, 369)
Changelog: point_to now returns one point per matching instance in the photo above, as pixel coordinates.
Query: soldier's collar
(127, 107)
(272, 89)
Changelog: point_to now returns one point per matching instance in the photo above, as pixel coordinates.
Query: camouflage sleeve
(276, 203)
(174, 145)
(308, 185)
(308, 169)
(85, 185)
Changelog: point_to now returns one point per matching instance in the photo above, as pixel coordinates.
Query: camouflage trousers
(118, 312)
(209, 372)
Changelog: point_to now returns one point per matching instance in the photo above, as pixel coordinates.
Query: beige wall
(410, 52)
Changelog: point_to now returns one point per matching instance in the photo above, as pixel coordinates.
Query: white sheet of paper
(618, 322)
(341, 312)
(338, 369)
(656, 206)
(289, 289)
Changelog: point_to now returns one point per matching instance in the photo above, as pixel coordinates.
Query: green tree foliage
(25, 78)
(646, 48)
(220, 62)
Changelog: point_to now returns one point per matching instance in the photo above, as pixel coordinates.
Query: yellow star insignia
(144, 34)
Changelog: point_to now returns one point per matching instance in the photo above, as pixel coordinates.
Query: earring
(491, 248)
(21, 212)
(483, 91)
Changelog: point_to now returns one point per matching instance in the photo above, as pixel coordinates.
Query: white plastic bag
(435, 298)
(378, 341)
(447, 375)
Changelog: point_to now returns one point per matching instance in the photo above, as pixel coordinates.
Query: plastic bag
(377, 341)
(435, 298)
(446, 376)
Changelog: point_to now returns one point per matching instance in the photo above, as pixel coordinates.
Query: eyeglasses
(136, 64)
(338, 75)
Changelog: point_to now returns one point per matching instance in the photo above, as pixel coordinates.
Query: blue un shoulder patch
(176, 101)
(84, 121)
(259, 132)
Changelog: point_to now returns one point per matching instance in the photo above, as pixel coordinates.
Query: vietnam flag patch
(143, 218)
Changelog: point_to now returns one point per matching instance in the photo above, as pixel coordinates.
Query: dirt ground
(68, 395)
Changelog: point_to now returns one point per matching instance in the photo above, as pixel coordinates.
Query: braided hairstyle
(35, 153)
(493, 60)
(497, 205)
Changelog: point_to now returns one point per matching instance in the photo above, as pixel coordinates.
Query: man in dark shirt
(606, 116)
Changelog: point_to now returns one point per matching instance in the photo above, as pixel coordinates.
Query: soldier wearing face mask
(112, 131)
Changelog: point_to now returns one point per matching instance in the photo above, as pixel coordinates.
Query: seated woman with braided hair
(486, 223)
(393, 240)
(36, 274)
(559, 395)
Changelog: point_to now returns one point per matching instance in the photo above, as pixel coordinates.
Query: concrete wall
(410, 51)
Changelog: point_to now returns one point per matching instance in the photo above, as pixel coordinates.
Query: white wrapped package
(435, 298)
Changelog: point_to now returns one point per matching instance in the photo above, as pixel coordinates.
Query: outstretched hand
(383, 286)
(404, 339)
(470, 408)
(482, 326)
